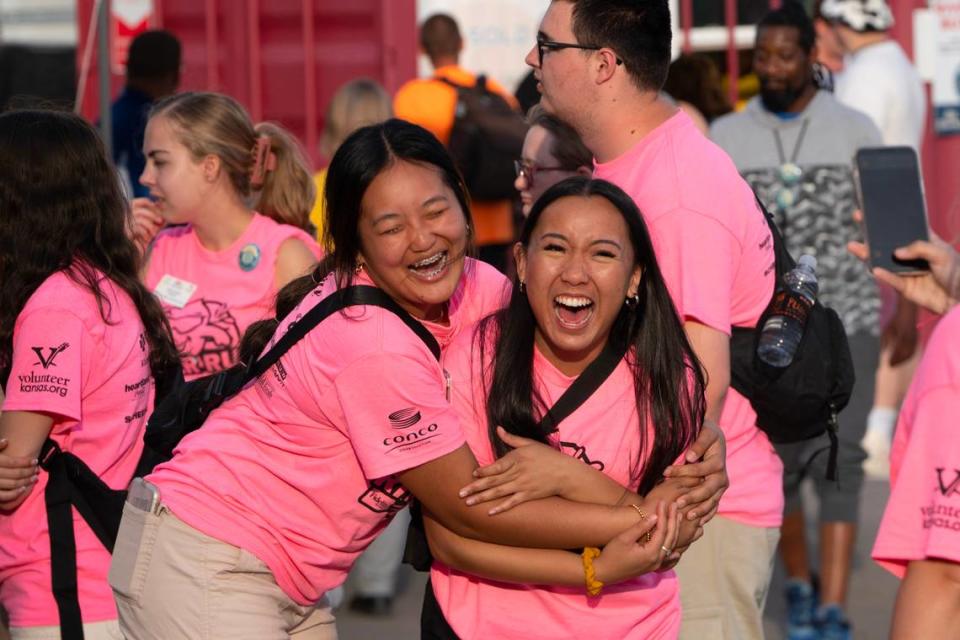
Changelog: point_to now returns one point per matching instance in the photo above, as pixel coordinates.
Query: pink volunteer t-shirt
(647, 607)
(716, 254)
(922, 519)
(94, 378)
(211, 297)
(300, 468)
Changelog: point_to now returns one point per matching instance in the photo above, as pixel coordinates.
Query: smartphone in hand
(891, 198)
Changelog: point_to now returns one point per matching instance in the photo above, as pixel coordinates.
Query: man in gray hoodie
(794, 144)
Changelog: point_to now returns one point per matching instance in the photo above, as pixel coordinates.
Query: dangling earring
(523, 287)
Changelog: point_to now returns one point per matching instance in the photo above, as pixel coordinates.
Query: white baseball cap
(859, 15)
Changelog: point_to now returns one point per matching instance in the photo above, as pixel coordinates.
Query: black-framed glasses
(527, 171)
(551, 45)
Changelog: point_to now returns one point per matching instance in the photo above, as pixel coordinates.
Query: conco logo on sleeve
(48, 360)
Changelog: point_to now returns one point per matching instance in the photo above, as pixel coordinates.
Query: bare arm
(713, 350)
(626, 556)
(25, 432)
(928, 603)
(294, 259)
(551, 523)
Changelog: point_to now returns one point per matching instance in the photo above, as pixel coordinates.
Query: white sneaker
(877, 445)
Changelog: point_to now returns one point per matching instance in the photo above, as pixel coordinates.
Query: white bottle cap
(808, 261)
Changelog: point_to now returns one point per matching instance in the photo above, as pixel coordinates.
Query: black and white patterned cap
(859, 15)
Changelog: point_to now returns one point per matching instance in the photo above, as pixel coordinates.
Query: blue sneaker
(832, 623)
(801, 603)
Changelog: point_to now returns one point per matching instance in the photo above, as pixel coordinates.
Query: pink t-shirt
(94, 377)
(647, 607)
(716, 254)
(922, 519)
(300, 468)
(211, 297)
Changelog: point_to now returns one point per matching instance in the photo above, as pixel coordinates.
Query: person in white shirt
(879, 80)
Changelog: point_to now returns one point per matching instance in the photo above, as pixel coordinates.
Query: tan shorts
(173, 582)
(109, 630)
(724, 579)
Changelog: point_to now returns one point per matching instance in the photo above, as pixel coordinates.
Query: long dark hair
(667, 377)
(364, 155)
(62, 209)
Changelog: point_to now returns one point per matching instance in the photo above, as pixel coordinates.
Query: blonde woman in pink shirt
(240, 197)
(588, 292)
(81, 341)
(264, 509)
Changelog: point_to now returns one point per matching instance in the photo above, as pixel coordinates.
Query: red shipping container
(283, 59)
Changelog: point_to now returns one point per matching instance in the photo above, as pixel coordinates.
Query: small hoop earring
(633, 301)
(358, 268)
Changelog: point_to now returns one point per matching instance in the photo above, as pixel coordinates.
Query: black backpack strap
(63, 543)
(340, 299)
(584, 386)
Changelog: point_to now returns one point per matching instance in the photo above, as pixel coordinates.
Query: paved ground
(872, 593)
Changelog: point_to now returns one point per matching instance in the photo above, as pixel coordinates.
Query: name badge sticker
(174, 291)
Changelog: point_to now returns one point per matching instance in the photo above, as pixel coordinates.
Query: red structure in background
(283, 59)
(941, 154)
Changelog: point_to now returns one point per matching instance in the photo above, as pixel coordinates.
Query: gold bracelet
(648, 536)
(594, 586)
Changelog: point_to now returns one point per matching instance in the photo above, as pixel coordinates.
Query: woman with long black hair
(588, 303)
(81, 342)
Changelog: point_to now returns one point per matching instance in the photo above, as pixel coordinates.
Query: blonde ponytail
(288, 192)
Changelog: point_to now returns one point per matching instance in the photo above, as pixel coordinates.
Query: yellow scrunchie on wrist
(594, 586)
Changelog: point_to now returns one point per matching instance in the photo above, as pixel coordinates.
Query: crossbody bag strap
(63, 543)
(779, 249)
(340, 299)
(584, 386)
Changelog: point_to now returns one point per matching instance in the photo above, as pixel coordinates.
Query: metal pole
(733, 56)
(103, 71)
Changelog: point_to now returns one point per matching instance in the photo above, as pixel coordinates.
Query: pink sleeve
(47, 373)
(396, 411)
(468, 395)
(922, 518)
(696, 255)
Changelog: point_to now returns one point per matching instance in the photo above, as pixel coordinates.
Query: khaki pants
(173, 582)
(109, 630)
(724, 578)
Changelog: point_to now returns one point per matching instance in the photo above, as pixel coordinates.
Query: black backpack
(182, 410)
(486, 139)
(804, 399)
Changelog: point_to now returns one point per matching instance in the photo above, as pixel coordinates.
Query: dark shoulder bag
(802, 400)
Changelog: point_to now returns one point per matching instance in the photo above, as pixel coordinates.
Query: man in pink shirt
(600, 66)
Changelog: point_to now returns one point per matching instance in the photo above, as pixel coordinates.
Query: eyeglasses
(550, 45)
(528, 171)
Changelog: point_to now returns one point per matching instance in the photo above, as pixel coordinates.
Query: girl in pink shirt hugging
(240, 196)
(588, 290)
(81, 341)
(264, 509)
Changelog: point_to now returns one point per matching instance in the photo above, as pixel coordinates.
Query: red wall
(941, 154)
(281, 66)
